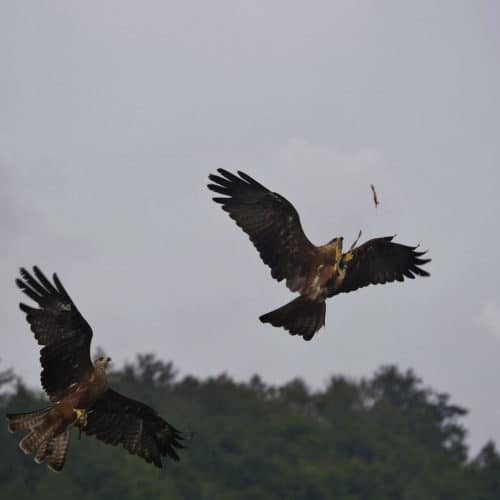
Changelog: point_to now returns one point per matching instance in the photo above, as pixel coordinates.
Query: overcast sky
(113, 114)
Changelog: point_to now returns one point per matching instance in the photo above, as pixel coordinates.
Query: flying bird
(315, 272)
(78, 388)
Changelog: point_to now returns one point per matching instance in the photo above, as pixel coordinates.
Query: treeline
(383, 438)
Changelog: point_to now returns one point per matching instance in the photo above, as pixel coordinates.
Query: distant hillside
(388, 437)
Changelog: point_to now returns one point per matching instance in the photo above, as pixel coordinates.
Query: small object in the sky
(315, 272)
(78, 388)
(375, 198)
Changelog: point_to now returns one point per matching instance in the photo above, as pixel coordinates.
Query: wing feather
(116, 419)
(380, 261)
(271, 222)
(60, 329)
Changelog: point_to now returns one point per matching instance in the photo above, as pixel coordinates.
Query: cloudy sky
(113, 114)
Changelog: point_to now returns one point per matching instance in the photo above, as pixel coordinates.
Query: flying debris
(315, 272)
(78, 388)
(375, 198)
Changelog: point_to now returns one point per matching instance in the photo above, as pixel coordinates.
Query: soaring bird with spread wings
(78, 388)
(315, 272)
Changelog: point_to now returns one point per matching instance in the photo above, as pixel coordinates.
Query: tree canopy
(383, 438)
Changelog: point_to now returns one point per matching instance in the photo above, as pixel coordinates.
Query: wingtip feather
(220, 200)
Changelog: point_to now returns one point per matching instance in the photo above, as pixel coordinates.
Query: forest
(388, 437)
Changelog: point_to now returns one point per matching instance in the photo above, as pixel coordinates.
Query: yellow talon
(81, 418)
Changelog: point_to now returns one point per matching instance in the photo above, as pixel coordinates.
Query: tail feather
(35, 439)
(42, 452)
(58, 448)
(299, 317)
(23, 421)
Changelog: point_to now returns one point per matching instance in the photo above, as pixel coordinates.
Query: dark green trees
(383, 438)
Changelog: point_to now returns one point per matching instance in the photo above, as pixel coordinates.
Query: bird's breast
(318, 283)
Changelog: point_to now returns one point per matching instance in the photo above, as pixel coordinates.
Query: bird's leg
(80, 418)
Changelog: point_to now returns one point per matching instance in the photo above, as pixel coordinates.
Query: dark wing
(271, 222)
(60, 329)
(380, 261)
(116, 419)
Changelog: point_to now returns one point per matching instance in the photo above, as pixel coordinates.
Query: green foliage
(384, 438)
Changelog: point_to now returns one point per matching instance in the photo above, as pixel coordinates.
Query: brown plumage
(315, 272)
(78, 388)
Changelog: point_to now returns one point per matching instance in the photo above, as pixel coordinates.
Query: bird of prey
(315, 272)
(78, 388)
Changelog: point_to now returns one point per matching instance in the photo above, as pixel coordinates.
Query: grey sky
(113, 113)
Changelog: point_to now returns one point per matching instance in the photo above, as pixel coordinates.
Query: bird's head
(102, 361)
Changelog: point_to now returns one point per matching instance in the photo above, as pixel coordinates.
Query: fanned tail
(299, 317)
(42, 438)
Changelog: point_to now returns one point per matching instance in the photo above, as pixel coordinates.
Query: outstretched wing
(61, 330)
(271, 222)
(380, 261)
(116, 419)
